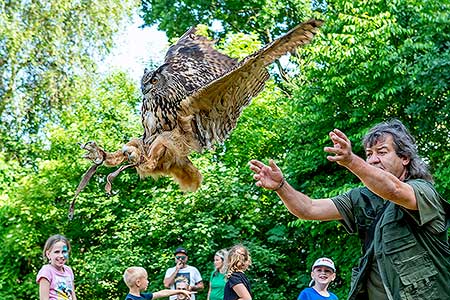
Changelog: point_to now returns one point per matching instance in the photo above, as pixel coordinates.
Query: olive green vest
(414, 263)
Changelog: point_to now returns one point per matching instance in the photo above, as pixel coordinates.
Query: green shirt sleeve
(431, 206)
(344, 205)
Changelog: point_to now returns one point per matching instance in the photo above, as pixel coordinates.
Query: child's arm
(44, 289)
(74, 297)
(167, 293)
(198, 286)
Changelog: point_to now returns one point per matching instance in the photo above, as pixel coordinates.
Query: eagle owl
(190, 102)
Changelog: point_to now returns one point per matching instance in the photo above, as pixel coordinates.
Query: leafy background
(371, 61)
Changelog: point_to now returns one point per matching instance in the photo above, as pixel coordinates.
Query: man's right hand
(268, 177)
(179, 265)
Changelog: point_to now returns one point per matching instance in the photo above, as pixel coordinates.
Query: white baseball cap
(324, 262)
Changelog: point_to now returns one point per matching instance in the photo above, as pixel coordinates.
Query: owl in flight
(192, 101)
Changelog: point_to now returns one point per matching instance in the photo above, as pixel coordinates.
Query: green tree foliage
(35, 197)
(44, 46)
(268, 18)
(372, 61)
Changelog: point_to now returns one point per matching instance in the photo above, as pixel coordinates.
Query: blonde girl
(238, 286)
(56, 279)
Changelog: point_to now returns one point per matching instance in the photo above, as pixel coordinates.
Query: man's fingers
(340, 134)
(336, 138)
(273, 165)
(255, 168)
(332, 158)
(337, 151)
(256, 163)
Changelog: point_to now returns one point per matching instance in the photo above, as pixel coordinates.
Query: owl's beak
(145, 89)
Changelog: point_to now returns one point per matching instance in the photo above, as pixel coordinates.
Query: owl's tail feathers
(168, 156)
(180, 169)
(187, 176)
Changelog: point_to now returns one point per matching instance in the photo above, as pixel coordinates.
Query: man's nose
(373, 159)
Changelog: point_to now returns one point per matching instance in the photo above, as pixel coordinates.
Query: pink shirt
(61, 282)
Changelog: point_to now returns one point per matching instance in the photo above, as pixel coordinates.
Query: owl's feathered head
(162, 88)
(162, 81)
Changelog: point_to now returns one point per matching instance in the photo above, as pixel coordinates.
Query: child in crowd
(137, 281)
(323, 273)
(217, 280)
(182, 285)
(238, 286)
(56, 279)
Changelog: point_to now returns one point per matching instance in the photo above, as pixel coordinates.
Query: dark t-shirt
(235, 278)
(143, 296)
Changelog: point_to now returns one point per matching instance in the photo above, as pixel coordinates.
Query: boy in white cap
(322, 274)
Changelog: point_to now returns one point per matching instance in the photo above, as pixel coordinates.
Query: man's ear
(406, 161)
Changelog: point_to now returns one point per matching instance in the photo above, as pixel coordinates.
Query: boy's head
(323, 272)
(181, 285)
(136, 277)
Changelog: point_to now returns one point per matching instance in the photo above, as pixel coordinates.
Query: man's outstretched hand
(268, 177)
(342, 148)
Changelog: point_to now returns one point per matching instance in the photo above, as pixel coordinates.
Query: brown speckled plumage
(192, 101)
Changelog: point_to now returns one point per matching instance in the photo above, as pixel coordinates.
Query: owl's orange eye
(154, 80)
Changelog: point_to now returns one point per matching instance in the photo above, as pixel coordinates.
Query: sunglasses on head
(180, 257)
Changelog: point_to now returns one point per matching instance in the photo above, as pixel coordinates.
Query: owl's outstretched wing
(195, 62)
(218, 105)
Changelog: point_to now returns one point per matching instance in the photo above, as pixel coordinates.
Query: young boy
(323, 273)
(137, 281)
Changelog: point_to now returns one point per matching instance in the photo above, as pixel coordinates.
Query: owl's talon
(93, 152)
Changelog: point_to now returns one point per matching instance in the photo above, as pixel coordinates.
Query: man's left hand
(342, 148)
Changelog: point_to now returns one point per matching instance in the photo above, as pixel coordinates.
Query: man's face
(382, 155)
(181, 258)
